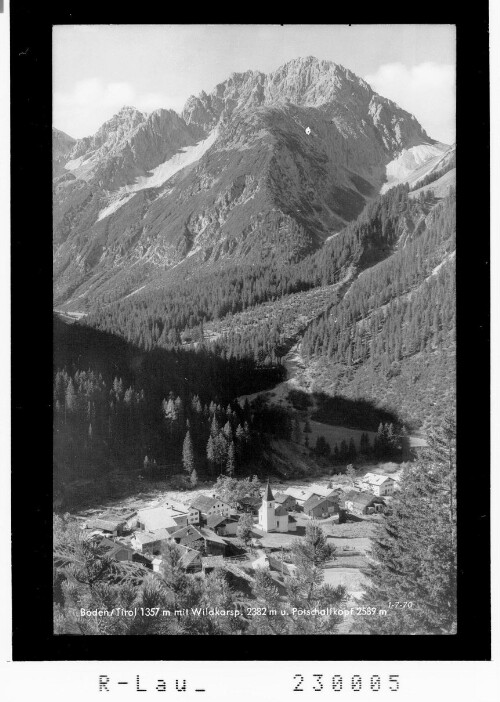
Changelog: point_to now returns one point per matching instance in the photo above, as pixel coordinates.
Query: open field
(361, 544)
(334, 435)
(351, 530)
(351, 578)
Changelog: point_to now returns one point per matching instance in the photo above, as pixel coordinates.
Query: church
(271, 517)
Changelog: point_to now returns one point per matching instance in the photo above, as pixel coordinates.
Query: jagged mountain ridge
(235, 177)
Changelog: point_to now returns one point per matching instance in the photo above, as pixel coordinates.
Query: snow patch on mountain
(116, 202)
(184, 157)
(74, 163)
(413, 164)
(159, 175)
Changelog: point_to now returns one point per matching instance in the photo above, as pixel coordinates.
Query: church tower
(267, 520)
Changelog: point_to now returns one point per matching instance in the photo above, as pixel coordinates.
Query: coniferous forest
(141, 383)
(117, 407)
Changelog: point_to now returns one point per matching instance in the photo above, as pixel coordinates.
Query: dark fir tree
(188, 454)
(231, 459)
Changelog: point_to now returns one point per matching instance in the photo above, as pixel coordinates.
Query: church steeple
(268, 495)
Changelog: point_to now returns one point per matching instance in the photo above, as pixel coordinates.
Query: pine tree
(227, 431)
(193, 479)
(70, 397)
(231, 459)
(351, 473)
(210, 453)
(214, 427)
(220, 451)
(188, 454)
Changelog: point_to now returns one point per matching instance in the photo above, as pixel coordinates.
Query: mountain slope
(264, 168)
(62, 145)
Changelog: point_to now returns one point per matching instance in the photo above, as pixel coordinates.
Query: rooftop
(365, 498)
(158, 517)
(176, 506)
(106, 524)
(217, 519)
(281, 497)
(212, 561)
(298, 493)
(376, 478)
(189, 556)
(268, 495)
(204, 503)
(314, 501)
(187, 532)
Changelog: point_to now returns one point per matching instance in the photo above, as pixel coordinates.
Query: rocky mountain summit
(263, 168)
(308, 82)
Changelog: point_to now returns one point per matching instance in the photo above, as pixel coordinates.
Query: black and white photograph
(254, 293)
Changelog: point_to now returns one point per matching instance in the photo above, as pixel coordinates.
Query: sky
(97, 69)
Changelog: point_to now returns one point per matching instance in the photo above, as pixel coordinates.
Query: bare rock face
(62, 144)
(128, 146)
(265, 167)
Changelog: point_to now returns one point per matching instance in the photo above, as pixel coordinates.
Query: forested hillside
(115, 405)
(395, 328)
(373, 309)
(158, 319)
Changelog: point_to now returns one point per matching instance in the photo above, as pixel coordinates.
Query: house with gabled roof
(190, 559)
(150, 542)
(321, 507)
(299, 494)
(108, 522)
(361, 503)
(201, 539)
(222, 525)
(207, 506)
(378, 484)
(286, 501)
(115, 550)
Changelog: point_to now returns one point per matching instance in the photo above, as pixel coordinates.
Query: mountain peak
(129, 110)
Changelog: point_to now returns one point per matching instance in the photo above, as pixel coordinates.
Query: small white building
(378, 484)
(272, 517)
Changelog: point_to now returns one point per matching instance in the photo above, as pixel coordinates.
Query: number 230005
(338, 683)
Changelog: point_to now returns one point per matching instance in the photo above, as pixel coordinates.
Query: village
(252, 532)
